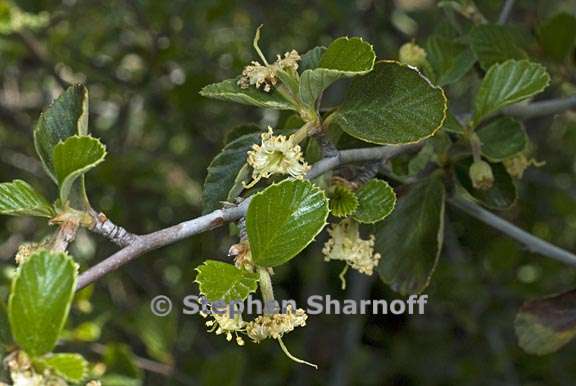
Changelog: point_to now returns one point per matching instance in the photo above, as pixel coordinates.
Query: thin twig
(170, 235)
(531, 242)
(506, 11)
(115, 233)
(539, 109)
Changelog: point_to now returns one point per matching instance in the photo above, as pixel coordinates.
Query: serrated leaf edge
(323, 194)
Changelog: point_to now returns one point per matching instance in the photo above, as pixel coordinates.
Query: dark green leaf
(376, 200)
(283, 219)
(222, 281)
(410, 239)
(503, 138)
(449, 59)
(40, 299)
(452, 125)
(65, 117)
(393, 104)
(507, 83)
(557, 36)
(345, 57)
(5, 334)
(229, 90)
(311, 59)
(495, 44)
(543, 326)
(223, 170)
(75, 157)
(18, 198)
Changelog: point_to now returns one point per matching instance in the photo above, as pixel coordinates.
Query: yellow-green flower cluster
(345, 244)
(277, 154)
(266, 76)
(276, 325)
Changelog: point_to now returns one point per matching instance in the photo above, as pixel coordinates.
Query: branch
(531, 242)
(155, 240)
(506, 10)
(115, 233)
(538, 109)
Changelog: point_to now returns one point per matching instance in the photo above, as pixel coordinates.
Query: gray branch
(145, 243)
(505, 12)
(115, 233)
(539, 109)
(531, 242)
(151, 241)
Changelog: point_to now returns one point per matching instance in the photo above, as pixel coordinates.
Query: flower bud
(516, 166)
(481, 175)
(412, 54)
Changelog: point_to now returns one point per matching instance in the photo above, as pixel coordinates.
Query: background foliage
(144, 63)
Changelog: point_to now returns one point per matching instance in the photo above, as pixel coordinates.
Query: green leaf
(503, 138)
(344, 57)
(503, 193)
(18, 198)
(508, 83)
(452, 125)
(449, 59)
(311, 59)
(75, 157)
(393, 104)
(343, 201)
(40, 299)
(557, 36)
(283, 219)
(229, 90)
(223, 170)
(544, 326)
(495, 44)
(419, 162)
(410, 239)
(5, 334)
(65, 117)
(222, 281)
(71, 367)
(119, 360)
(376, 201)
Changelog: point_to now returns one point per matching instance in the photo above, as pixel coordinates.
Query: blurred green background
(144, 62)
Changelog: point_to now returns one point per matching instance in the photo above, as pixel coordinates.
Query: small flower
(412, 54)
(276, 325)
(266, 76)
(276, 155)
(224, 324)
(242, 256)
(516, 166)
(481, 175)
(258, 75)
(345, 244)
(289, 62)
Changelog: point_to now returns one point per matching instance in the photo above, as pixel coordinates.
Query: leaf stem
(265, 284)
(298, 360)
